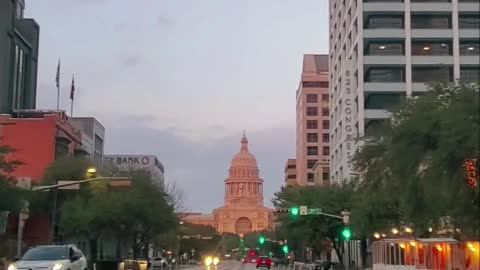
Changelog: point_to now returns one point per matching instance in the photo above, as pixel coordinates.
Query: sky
(182, 79)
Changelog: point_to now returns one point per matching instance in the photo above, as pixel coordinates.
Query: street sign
(303, 210)
(314, 211)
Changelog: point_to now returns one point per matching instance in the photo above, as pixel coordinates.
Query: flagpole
(72, 95)
(57, 80)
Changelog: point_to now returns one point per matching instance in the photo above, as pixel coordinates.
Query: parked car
(264, 262)
(322, 265)
(61, 257)
(158, 262)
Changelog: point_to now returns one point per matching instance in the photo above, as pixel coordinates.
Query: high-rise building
(383, 51)
(313, 124)
(291, 172)
(19, 38)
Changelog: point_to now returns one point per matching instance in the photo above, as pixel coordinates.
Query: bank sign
(131, 160)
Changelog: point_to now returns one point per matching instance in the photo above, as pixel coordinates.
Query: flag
(72, 90)
(57, 77)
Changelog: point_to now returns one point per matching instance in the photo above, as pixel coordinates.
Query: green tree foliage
(66, 168)
(138, 214)
(415, 167)
(316, 231)
(12, 198)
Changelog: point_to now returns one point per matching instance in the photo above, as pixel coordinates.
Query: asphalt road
(231, 265)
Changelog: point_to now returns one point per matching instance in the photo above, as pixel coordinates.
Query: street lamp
(91, 172)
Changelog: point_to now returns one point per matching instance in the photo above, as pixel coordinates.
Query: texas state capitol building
(243, 211)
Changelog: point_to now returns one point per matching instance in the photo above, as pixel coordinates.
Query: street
(231, 265)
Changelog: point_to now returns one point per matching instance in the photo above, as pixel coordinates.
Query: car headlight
(12, 267)
(208, 261)
(216, 260)
(57, 266)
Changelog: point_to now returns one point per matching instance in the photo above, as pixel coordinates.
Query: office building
(93, 137)
(383, 51)
(39, 137)
(313, 124)
(19, 39)
(291, 172)
(149, 163)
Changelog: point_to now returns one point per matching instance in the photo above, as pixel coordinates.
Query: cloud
(131, 61)
(163, 20)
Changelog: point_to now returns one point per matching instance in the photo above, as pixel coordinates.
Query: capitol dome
(244, 158)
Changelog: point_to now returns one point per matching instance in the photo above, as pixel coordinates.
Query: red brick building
(39, 137)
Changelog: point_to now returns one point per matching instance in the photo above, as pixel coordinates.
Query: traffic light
(294, 211)
(252, 253)
(261, 240)
(346, 233)
(285, 249)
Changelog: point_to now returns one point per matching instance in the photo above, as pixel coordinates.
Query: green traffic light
(294, 211)
(285, 249)
(261, 240)
(346, 233)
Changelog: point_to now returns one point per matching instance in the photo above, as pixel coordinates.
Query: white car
(158, 262)
(65, 257)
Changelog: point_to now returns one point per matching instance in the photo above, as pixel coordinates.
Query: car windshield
(46, 254)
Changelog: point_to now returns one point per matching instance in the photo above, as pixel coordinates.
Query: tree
(138, 214)
(12, 198)
(417, 163)
(316, 231)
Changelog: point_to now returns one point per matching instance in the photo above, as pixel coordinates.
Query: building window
(325, 112)
(384, 21)
(312, 124)
(374, 127)
(440, 47)
(315, 84)
(312, 150)
(467, 21)
(385, 48)
(325, 97)
(325, 174)
(291, 176)
(312, 111)
(310, 177)
(326, 124)
(325, 137)
(19, 70)
(431, 74)
(385, 74)
(19, 10)
(61, 148)
(312, 98)
(469, 47)
(431, 21)
(312, 137)
(98, 148)
(326, 150)
(291, 166)
(382, 101)
(470, 74)
(311, 163)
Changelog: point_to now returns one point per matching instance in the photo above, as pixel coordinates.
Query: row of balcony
(419, 6)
